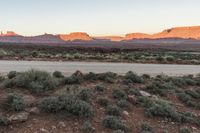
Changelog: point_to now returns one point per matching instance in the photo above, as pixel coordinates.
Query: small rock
(194, 128)
(125, 113)
(132, 99)
(145, 94)
(42, 130)
(19, 117)
(34, 110)
(53, 127)
(61, 124)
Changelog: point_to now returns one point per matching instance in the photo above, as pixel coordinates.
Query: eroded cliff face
(9, 33)
(76, 36)
(192, 32)
(180, 32)
(131, 36)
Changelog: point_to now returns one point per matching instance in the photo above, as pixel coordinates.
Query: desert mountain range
(184, 33)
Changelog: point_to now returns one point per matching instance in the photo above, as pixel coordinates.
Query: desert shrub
(12, 74)
(2, 78)
(58, 74)
(90, 76)
(118, 131)
(8, 83)
(109, 77)
(51, 104)
(146, 127)
(145, 101)
(178, 81)
(103, 101)
(186, 99)
(72, 80)
(119, 94)
(87, 127)
(67, 103)
(114, 123)
(184, 130)
(146, 76)
(113, 110)
(170, 58)
(191, 118)
(159, 108)
(160, 88)
(100, 88)
(123, 104)
(163, 109)
(132, 91)
(85, 94)
(190, 81)
(36, 81)
(131, 77)
(82, 109)
(4, 121)
(15, 102)
(193, 94)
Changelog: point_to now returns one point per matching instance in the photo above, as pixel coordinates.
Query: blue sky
(96, 17)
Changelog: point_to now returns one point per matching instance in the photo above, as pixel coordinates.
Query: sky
(96, 17)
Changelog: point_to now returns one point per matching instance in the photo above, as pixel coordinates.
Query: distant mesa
(75, 36)
(181, 33)
(9, 33)
(110, 38)
(192, 32)
(131, 36)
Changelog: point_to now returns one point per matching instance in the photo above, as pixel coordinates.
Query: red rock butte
(9, 33)
(192, 32)
(75, 36)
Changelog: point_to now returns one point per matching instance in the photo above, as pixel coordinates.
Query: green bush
(184, 130)
(119, 94)
(87, 127)
(58, 74)
(118, 131)
(114, 123)
(85, 94)
(82, 109)
(178, 81)
(187, 100)
(15, 102)
(72, 80)
(132, 91)
(163, 109)
(146, 127)
(123, 104)
(146, 76)
(51, 104)
(4, 121)
(36, 81)
(100, 88)
(67, 103)
(113, 110)
(159, 108)
(109, 77)
(193, 94)
(103, 101)
(131, 77)
(12, 74)
(90, 76)
(160, 88)
(191, 118)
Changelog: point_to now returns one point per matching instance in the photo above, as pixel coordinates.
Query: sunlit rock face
(131, 36)
(75, 36)
(9, 33)
(180, 32)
